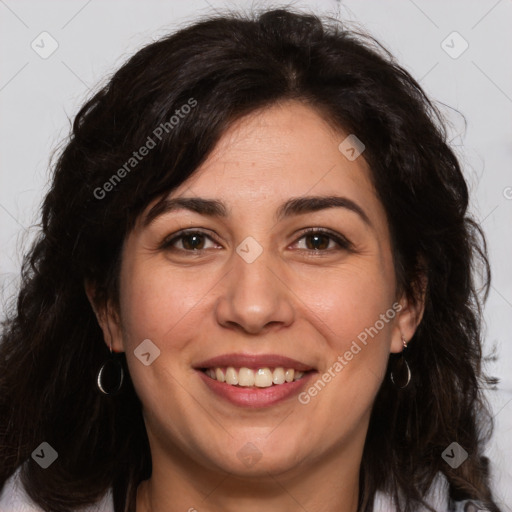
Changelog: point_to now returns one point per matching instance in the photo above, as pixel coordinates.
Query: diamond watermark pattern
(454, 45)
(147, 352)
(249, 454)
(44, 45)
(45, 455)
(249, 249)
(351, 147)
(454, 455)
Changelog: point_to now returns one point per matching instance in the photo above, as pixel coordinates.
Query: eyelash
(343, 243)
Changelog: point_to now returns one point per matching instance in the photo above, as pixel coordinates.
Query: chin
(251, 461)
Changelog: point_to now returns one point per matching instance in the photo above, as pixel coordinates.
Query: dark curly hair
(231, 65)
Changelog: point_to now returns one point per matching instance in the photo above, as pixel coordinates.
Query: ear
(107, 317)
(408, 317)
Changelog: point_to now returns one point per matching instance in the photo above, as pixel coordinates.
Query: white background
(38, 96)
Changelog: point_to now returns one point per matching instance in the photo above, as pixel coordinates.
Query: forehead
(286, 149)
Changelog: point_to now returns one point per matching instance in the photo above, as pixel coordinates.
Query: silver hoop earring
(110, 375)
(402, 369)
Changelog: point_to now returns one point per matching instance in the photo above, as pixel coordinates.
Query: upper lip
(254, 361)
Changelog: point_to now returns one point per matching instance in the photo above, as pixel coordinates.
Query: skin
(292, 300)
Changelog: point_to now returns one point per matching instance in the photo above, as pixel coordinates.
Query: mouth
(254, 381)
(248, 377)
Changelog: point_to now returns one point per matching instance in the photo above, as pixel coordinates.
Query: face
(248, 284)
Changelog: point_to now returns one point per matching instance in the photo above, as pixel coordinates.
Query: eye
(317, 240)
(323, 240)
(189, 241)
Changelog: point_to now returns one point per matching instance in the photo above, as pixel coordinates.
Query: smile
(248, 377)
(254, 380)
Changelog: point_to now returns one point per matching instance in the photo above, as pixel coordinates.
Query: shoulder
(13, 498)
(469, 506)
(436, 498)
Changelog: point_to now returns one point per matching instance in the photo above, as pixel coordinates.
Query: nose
(254, 297)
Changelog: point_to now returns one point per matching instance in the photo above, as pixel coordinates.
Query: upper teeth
(247, 377)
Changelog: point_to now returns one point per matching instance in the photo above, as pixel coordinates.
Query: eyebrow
(293, 206)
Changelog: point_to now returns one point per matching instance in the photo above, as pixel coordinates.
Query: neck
(329, 484)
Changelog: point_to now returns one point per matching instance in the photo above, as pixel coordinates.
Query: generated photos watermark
(144, 150)
(344, 359)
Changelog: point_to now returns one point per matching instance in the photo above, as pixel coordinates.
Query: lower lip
(254, 397)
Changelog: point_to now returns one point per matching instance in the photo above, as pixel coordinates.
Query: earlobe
(407, 321)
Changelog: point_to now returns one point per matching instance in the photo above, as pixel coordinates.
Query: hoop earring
(401, 363)
(110, 375)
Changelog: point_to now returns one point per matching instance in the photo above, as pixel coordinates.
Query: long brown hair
(52, 347)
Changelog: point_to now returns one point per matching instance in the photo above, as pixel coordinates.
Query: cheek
(163, 308)
(353, 310)
(157, 302)
(347, 301)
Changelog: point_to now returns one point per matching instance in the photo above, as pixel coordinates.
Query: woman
(252, 289)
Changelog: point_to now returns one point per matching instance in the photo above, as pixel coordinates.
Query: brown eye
(193, 242)
(321, 240)
(189, 241)
(317, 241)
